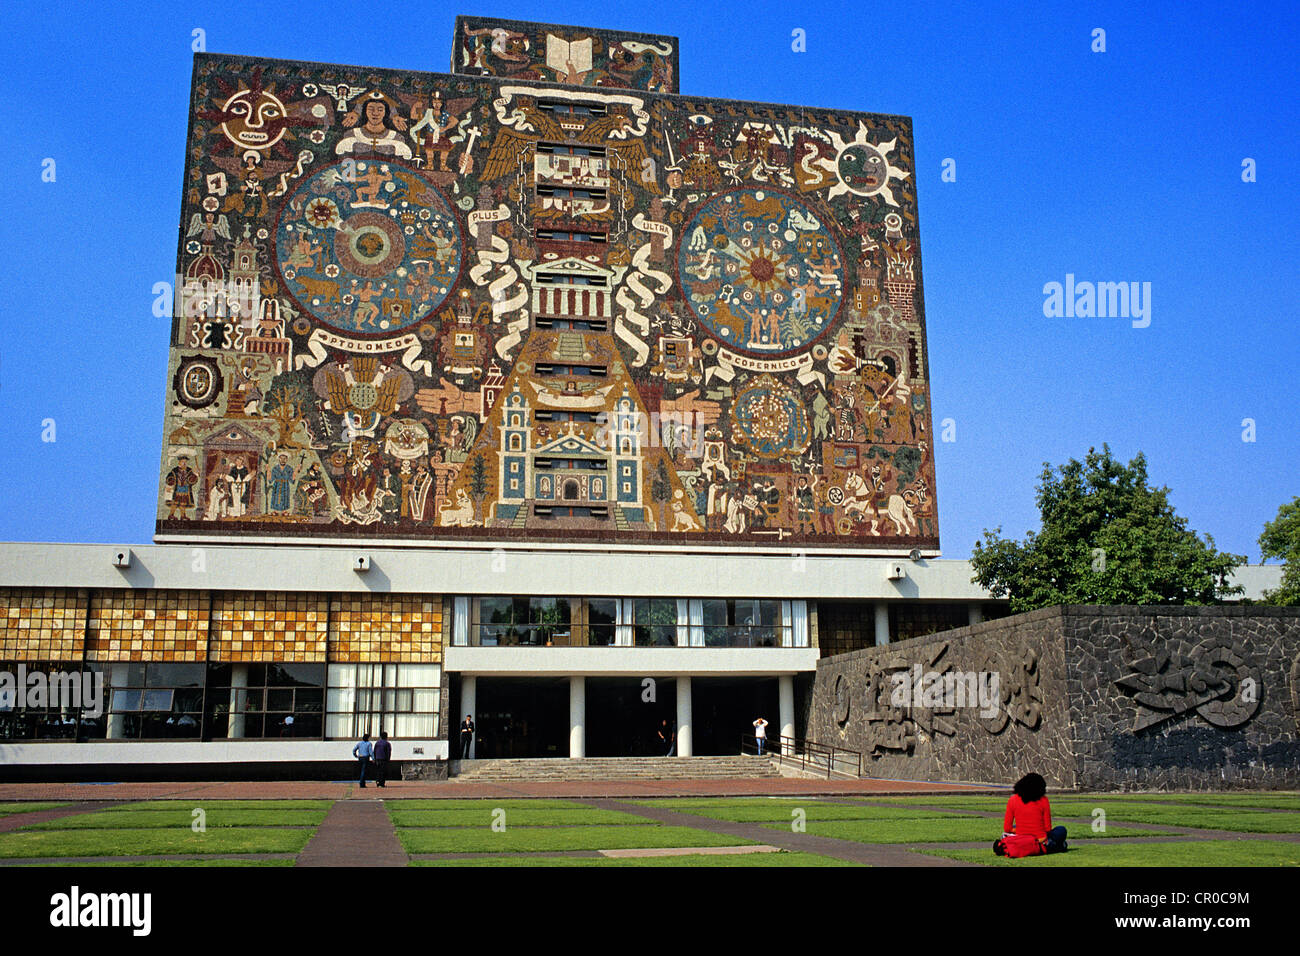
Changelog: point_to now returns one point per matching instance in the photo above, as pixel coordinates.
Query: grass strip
(163, 819)
(486, 815)
(942, 830)
(781, 859)
(149, 842)
(542, 839)
(1200, 853)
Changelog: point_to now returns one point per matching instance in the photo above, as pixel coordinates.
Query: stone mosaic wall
(1091, 698)
(416, 306)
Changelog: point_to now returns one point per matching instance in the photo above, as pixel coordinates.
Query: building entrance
(624, 715)
(724, 708)
(522, 717)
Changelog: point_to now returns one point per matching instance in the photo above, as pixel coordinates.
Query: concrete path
(354, 833)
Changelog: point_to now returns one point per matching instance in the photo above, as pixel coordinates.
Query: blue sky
(1117, 166)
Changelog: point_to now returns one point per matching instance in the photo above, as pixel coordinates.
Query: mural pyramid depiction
(543, 298)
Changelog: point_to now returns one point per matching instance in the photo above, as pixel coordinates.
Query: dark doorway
(621, 722)
(725, 708)
(522, 717)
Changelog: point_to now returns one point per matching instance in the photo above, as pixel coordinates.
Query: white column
(117, 677)
(577, 716)
(974, 613)
(684, 717)
(468, 703)
(238, 701)
(785, 692)
(882, 622)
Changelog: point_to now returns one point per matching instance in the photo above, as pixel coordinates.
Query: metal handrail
(803, 753)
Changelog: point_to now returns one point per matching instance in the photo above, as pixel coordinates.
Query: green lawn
(135, 863)
(150, 842)
(211, 805)
(522, 817)
(488, 805)
(7, 809)
(764, 811)
(1202, 853)
(738, 859)
(162, 819)
(541, 839)
(941, 830)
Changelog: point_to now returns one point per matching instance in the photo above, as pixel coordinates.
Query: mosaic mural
(575, 56)
(484, 306)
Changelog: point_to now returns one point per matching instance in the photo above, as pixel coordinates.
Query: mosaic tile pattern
(574, 56)
(269, 626)
(491, 306)
(386, 629)
(148, 626)
(42, 625)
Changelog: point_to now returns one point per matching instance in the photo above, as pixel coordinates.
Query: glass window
(154, 701)
(602, 618)
(402, 699)
(57, 700)
(654, 622)
(265, 700)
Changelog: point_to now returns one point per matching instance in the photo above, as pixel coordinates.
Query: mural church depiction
(547, 297)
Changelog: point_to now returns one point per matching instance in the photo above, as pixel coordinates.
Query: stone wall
(1090, 697)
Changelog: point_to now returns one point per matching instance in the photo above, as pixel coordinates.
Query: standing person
(363, 751)
(383, 754)
(667, 738)
(1027, 825)
(466, 735)
(760, 734)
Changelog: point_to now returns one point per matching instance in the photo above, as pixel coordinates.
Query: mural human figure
(180, 482)
(237, 481)
(280, 483)
(378, 134)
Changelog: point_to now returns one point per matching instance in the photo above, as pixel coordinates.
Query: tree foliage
(1281, 539)
(1106, 538)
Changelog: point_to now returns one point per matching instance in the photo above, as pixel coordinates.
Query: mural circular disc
(761, 272)
(368, 247)
(769, 420)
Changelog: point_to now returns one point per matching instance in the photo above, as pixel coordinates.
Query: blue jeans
(1055, 842)
(761, 741)
(364, 761)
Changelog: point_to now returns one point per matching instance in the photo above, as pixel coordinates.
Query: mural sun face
(254, 120)
(863, 168)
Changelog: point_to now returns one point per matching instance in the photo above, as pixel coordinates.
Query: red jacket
(1028, 819)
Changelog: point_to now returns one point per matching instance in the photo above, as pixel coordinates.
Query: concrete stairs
(615, 768)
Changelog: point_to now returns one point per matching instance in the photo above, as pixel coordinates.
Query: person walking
(667, 738)
(363, 751)
(466, 735)
(383, 754)
(760, 734)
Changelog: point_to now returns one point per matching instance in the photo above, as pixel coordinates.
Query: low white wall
(217, 751)
(631, 661)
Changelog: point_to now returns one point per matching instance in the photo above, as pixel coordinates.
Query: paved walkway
(354, 833)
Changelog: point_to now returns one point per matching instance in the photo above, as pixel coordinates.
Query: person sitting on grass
(1027, 826)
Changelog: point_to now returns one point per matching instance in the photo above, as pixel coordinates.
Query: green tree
(1106, 538)
(1281, 539)
(478, 485)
